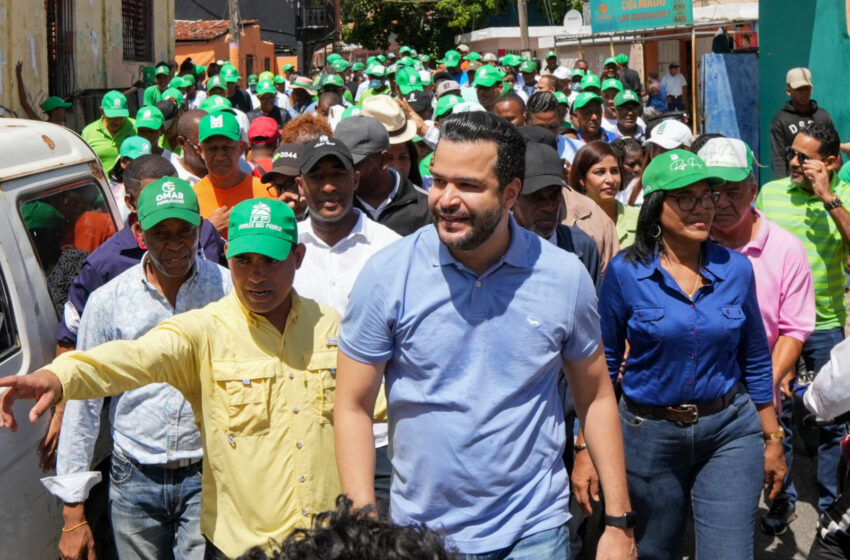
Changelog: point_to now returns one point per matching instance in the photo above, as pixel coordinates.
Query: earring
(657, 233)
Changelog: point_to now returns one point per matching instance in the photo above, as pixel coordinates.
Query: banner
(631, 15)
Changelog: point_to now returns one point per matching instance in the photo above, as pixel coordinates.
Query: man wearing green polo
(106, 134)
(153, 94)
(149, 125)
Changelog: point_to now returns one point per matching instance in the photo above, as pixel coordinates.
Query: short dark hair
(150, 166)
(344, 534)
(648, 230)
(623, 146)
(541, 102)
(700, 140)
(514, 98)
(825, 133)
(482, 126)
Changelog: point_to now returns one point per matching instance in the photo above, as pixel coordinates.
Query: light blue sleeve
(366, 331)
(585, 335)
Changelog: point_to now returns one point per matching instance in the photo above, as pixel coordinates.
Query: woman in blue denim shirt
(699, 426)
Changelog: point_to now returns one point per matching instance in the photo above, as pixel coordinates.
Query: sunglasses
(791, 154)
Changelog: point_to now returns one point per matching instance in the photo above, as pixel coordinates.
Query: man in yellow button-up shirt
(257, 367)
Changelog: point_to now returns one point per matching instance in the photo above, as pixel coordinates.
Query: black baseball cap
(543, 168)
(539, 134)
(419, 101)
(284, 162)
(363, 136)
(321, 147)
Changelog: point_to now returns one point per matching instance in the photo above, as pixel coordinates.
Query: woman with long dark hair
(596, 173)
(699, 428)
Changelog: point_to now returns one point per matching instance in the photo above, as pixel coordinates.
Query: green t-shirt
(425, 165)
(627, 217)
(104, 144)
(152, 96)
(803, 214)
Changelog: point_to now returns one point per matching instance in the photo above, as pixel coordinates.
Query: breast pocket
(245, 389)
(321, 382)
(733, 321)
(644, 322)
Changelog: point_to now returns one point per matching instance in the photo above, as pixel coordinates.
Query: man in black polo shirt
(383, 194)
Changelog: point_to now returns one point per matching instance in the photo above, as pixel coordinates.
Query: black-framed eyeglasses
(288, 186)
(687, 202)
(790, 153)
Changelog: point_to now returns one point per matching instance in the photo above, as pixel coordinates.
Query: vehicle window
(64, 225)
(8, 330)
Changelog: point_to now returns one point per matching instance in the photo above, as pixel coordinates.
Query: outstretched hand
(41, 386)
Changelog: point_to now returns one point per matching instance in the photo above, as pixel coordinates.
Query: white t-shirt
(674, 84)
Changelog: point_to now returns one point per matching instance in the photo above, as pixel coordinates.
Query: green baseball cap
(176, 95)
(169, 197)
(53, 102)
(162, 70)
(445, 104)
(424, 58)
(357, 66)
(612, 83)
(404, 49)
(114, 104)
(287, 67)
(472, 56)
(381, 58)
(677, 169)
(728, 158)
(200, 69)
(562, 97)
(487, 76)
(405, 61)
(176, 82)
(585, 97)
(622, 58)
(149, 117)
(135, 146)
(610, 60)
(266, 86)
(148, 73)
(528, 66)
(331, 80)
(550, 54)
(340, 65)
(451, 59)
(41, 215)
(264, 226)
(279, 80)
(219, 123)
(230, 73)
(252, 79)
(390, 69)
(188, 81)
(408, 80)
(511, 59)
(626, 96)
(334, 56)
(215, 103)
(216, 81)
(377, 71)
(266, 76)
(352, 111)
(577, 72)
(591, 80)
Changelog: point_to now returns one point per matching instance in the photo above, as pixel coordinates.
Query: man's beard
(481, 229)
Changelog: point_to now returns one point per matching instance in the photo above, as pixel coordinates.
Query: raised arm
(22, 94)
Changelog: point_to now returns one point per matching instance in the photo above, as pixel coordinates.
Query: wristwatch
(779, 434)
(833, 204)
(626, 521)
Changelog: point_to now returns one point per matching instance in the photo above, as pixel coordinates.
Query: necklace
(676, 278)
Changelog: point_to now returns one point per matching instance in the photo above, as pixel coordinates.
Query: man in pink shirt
(783, 285)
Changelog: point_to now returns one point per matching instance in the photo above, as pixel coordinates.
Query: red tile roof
(203, 30)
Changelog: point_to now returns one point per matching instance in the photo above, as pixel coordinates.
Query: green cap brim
(180, 213)
(730, 174)
(711, 176)
(273, 247)
(112, 113)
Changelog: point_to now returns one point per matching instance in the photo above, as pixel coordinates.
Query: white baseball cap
(562, 73)
(729, 158)
(670, 134)
(798, 77)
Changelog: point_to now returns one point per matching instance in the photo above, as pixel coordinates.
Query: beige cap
(463, 48)
(798, 77)
(489, 57)
(385, 109)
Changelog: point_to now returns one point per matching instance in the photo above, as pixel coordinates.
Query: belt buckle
(692, 408)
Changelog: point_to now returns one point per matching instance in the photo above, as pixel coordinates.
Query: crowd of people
(513, 310)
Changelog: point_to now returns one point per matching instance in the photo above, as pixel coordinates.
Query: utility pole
(235, 32)
(523, 25)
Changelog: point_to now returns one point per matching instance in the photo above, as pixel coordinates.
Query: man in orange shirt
(225, 185)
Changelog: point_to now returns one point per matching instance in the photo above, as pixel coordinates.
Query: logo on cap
(287, 155)
(217, 121)
(117, 103)
(168, 196)
(261, 215)
(324, 141)
(147, 114)
(678, 164)
(168, 187)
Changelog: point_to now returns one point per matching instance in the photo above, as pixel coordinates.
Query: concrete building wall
(96, 41)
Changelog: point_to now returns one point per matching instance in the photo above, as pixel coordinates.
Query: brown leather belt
(683, 413)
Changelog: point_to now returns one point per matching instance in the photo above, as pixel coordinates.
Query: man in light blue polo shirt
(470, 321)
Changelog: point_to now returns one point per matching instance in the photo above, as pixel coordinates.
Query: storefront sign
(632, 15)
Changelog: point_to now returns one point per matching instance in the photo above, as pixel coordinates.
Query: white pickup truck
(55, 204)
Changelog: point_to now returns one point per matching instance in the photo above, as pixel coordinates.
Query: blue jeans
(552, 544)
(815, 354)
(155, 512)
(715, 465)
